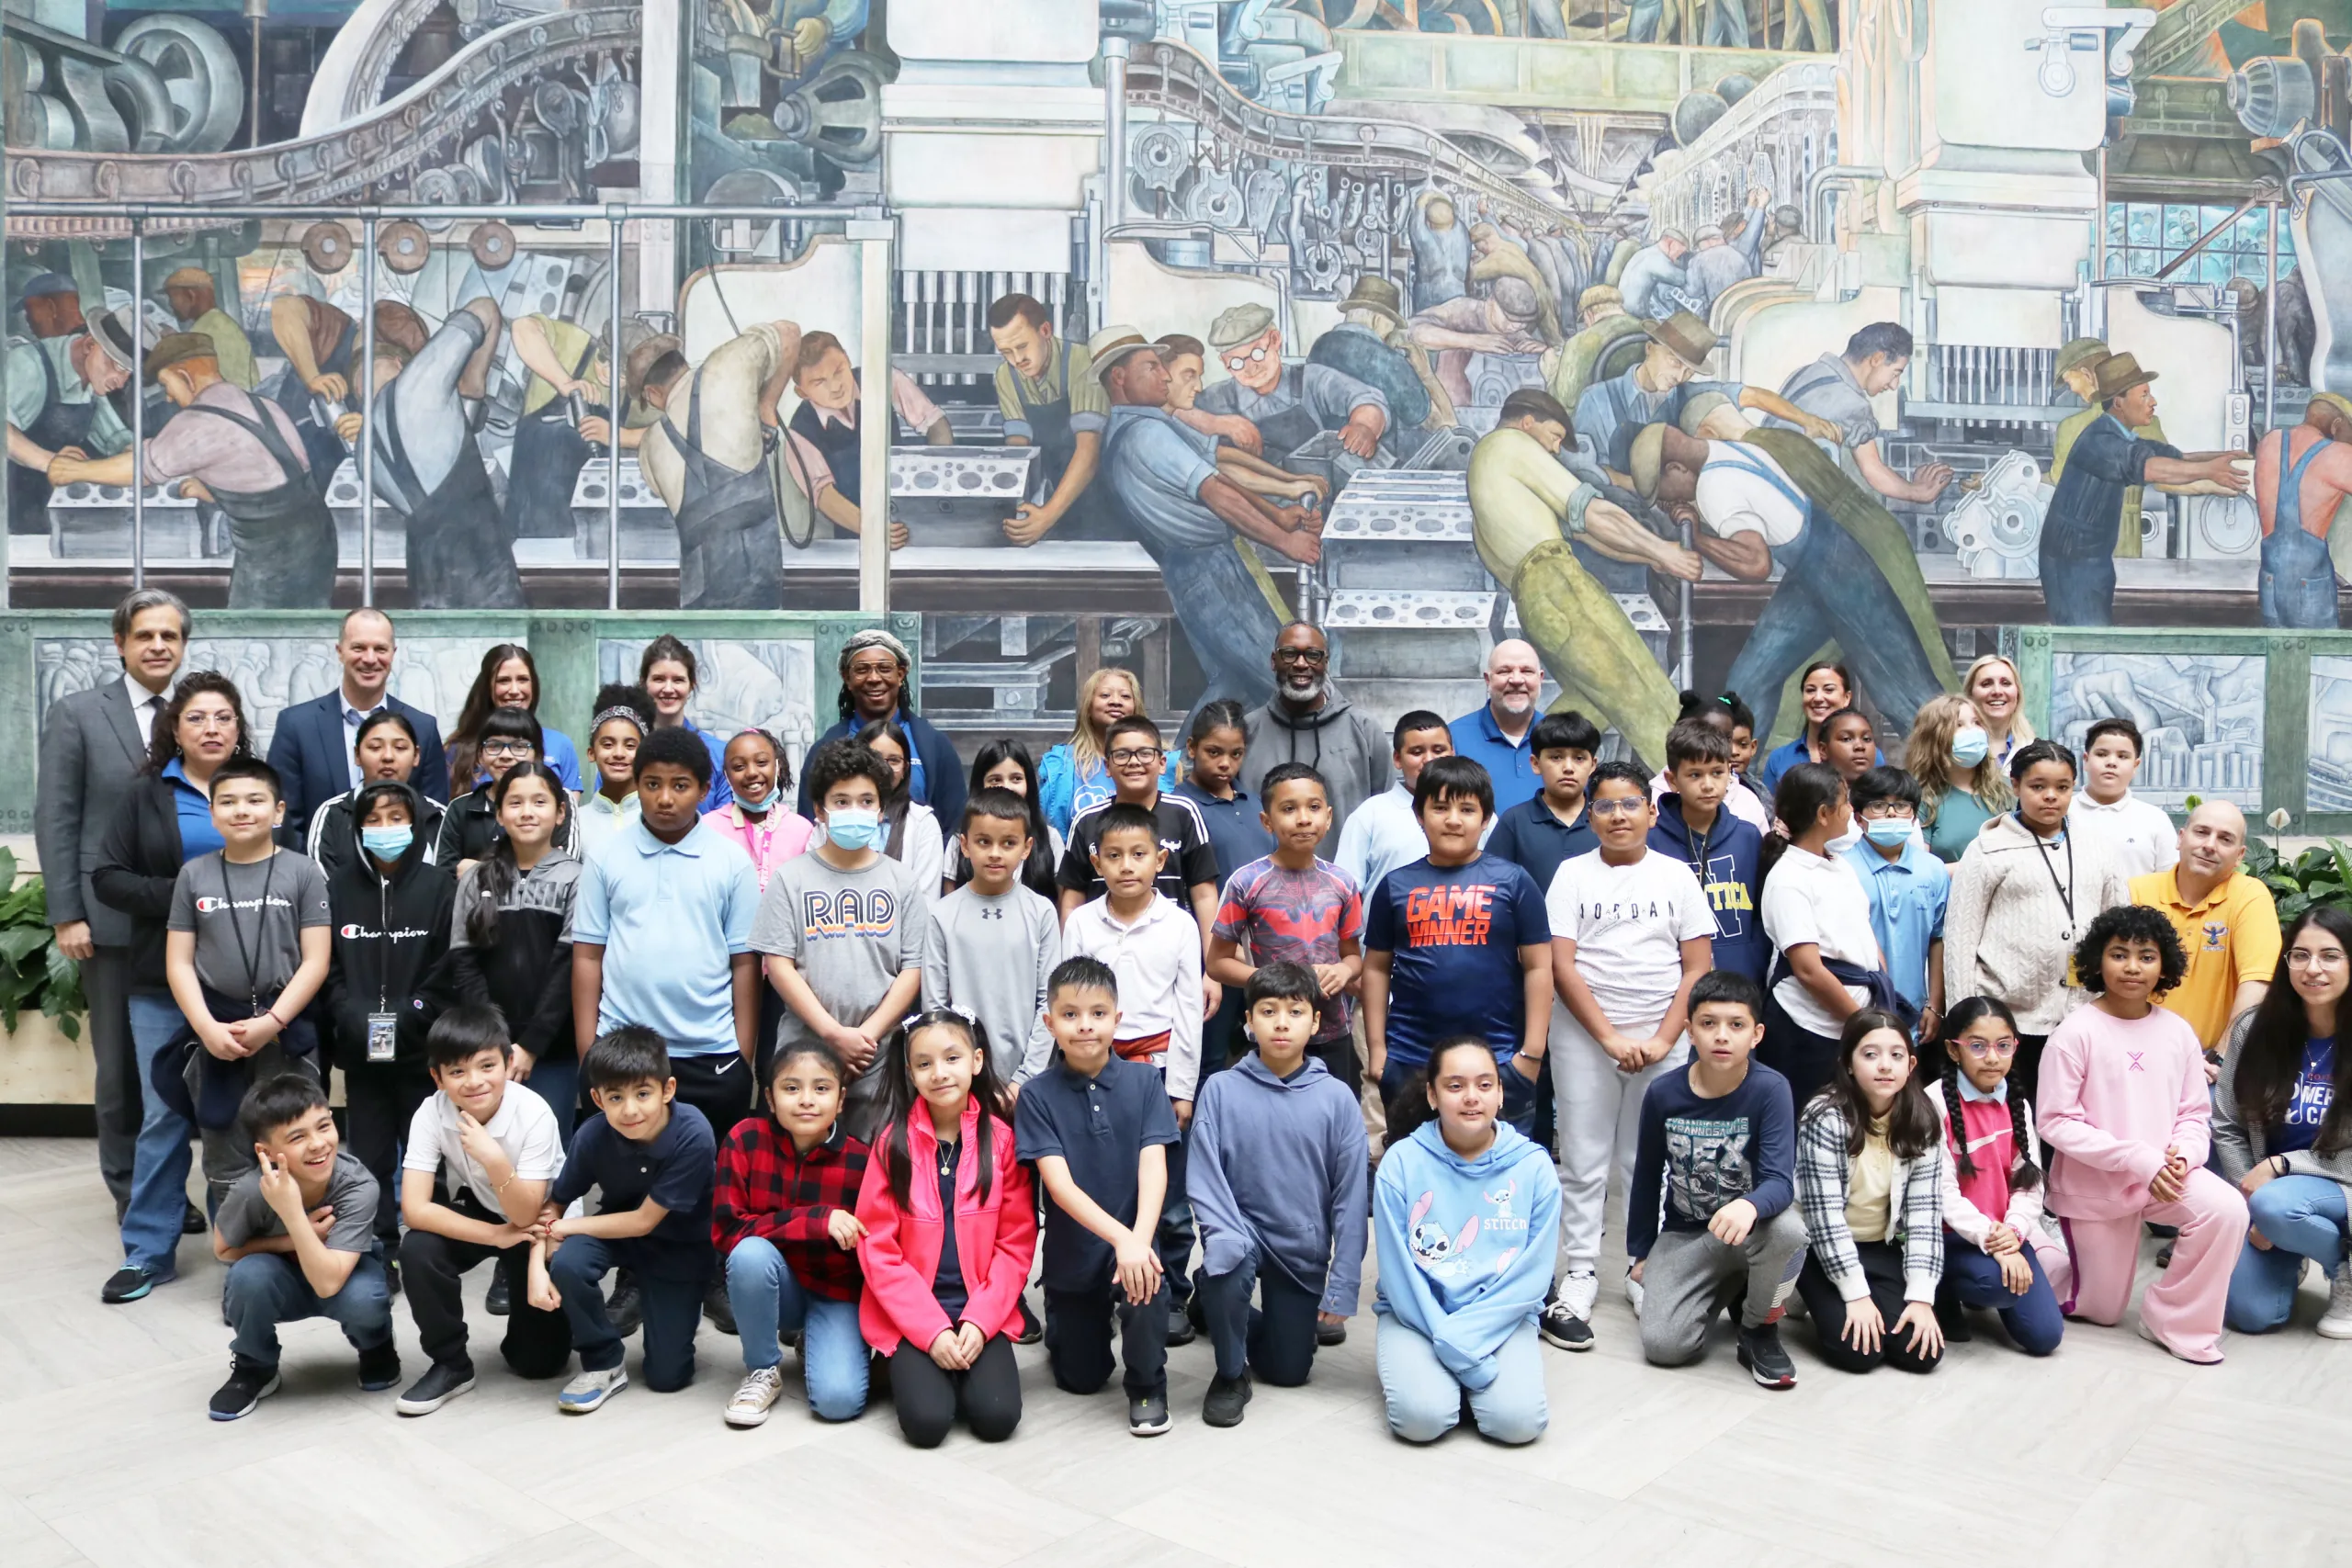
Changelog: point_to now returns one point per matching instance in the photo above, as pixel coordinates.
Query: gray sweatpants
(1689, 1275)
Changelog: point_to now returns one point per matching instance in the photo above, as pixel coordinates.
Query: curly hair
(2129, 922)
(164, 746)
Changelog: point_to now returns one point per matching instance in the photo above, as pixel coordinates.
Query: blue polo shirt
(1780, 759)
(670, 918)
(1907, 898)
(1236, 836)
(194, 809)
(674, 1169)
(1532, 838)
(1101, 1125)
(1477, 737)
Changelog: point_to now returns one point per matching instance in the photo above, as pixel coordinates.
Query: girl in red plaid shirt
(784, 1219)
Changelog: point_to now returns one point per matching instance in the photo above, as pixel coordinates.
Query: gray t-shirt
(246, 1215)
(248, 918)
(849, 932)
(991, 957)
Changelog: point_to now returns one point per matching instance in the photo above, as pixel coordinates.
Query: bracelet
(2279, 1165)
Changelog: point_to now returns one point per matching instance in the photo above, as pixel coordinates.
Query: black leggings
(1882, 1269)
(928, 1397)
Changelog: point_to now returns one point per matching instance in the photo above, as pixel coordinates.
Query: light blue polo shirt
(1477, 737)
(1907, 898)
(669, 917)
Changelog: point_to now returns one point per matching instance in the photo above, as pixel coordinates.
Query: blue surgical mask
(855, 829)
(1969, 745)
(1888, 832)
(387, 843)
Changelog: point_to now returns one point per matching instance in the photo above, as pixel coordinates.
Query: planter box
(40, 1066)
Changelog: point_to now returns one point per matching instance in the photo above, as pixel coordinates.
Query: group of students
(831, 1078)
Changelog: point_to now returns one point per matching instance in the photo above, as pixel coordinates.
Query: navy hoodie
(1726, 865)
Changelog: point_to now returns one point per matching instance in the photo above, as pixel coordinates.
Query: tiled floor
(2109, 1452)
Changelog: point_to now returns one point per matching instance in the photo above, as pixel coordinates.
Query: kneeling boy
(1720, 1138)
(298, 1234)
(481, 1152)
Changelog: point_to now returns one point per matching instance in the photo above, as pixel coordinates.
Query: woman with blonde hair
(1074, 774)
(1997, 689)
(1961, 786)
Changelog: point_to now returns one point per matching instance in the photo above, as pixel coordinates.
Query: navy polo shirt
(674, 1169)
(1236, 834)
(1532, 839)
(1101, 1126)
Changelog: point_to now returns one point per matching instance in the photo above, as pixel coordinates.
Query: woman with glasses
(1074, 775)
(387, 752)
(874, 666)
(504, 742)
(2280, 1133)
(1999, 1256)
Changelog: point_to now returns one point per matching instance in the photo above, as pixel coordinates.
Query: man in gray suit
(93, 744)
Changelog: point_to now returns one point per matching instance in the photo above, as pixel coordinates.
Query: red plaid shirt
(768, 1188)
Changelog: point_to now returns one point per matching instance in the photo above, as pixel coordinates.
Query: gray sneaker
(1147, 1416)
(2336, 1323)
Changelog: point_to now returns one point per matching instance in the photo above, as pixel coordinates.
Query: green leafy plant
(2321, 875)
(33, 973)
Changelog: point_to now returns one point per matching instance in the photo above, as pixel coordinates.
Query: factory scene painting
(1686, 339)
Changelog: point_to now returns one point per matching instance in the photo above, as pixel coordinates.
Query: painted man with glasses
(1290, 404)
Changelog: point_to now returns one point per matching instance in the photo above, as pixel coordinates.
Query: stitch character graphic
(1432, 1249)
(1502, 1200)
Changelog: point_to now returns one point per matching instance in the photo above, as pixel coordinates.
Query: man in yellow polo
(2226, 921)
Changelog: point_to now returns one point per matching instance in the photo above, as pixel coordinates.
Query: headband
(635, 718)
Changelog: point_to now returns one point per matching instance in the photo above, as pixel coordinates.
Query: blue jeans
(673, 1311)
(2298, 582)
(766, 1297)
(160, 1160)
(1831, 591)
(267, 1289)
(2301, 1216)
(2033, 1319)
(1225, 617)
(1424, 1399)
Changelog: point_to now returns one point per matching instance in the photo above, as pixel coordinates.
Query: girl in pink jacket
(942, 1300)
(2123, 1109)
(760, 817)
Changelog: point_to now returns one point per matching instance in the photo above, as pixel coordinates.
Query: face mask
(756, 806)
(855, 829)
(1969, 745)
(1887, 831)
(387, 843)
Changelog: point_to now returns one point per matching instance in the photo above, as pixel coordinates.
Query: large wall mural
(1685, 338)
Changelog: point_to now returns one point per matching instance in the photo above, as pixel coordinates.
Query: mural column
(657, 180)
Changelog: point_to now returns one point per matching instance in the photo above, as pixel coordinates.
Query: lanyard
(252, 965)
(2066, 889)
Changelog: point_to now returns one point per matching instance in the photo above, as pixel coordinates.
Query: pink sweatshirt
(995, 1238)
(2114, 1095)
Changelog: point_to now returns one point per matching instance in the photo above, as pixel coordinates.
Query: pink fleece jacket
(770, 843)
(995, 1237)
(2114, 1095)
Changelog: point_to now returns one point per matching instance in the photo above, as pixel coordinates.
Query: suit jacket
(314, 761)
(138, 863)
(90, 753)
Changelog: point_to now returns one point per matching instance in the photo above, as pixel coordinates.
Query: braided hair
(2024, 1175)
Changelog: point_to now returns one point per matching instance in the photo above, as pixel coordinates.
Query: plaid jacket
(1916, 1203)
(768, 1189)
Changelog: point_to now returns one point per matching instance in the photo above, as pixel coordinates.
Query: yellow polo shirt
(2231, 937)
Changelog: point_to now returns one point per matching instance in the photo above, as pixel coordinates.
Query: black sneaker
(1952, 1318)
(2164, 1256)
(439, 1386)
(380, 1366)
(193, 1222)
(497, 1301)
(1147, 1416)
(129, 1283)
(1564, 1330)
(1225, 1398)
(717, 1308)
(1181, 1330)
(1032, 1331)
(249, 1383)
(625, 1308)
(1761, 1353)
(1329, 1334)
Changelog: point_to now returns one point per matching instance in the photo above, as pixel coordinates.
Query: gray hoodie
(1344, 743)
(1277, 1173)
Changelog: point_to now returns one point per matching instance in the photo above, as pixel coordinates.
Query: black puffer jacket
(392, 933)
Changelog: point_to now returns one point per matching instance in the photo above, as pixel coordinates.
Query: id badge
(382, 1030)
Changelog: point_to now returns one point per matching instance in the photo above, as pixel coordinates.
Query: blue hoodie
(1275, 1172)
(1465, 1245)
(1726, 866)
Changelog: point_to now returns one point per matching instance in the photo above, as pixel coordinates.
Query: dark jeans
(719, 1084)
(1176, 1233)
(1340, 1059)
(1078, 1339)
(267, 1289)
(1882, 1269)
(557, 1081)
(1275, 1340)
(928, 1397)
(433, 1270)
(2033, 1319)
(1222, 1042)
(379, 1102)
(2025, 1071)
(673, 1311)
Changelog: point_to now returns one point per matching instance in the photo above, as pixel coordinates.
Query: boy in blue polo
(1539, 834)
(1909, 888)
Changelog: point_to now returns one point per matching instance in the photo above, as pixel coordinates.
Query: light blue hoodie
(1465, 1245)
(1275, 1172)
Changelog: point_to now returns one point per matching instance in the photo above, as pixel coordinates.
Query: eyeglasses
(1617, 807)
(1882, 809)
(866, 670)
(2315, 958)
(1301, 655)
(507, 748)
(1125, 754)
(1983, 1049)
(209, 720)
(1236, 363)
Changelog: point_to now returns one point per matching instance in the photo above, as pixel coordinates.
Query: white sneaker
(1632, 1291)
(1580, 1290)
(590, 1390)
(753, 1395)
(2336, 1323)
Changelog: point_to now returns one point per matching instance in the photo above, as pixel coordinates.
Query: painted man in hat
(1662, 386)
(58, 399)
(196, 305)
(241, 452)
(2077, 371)
(1232, 440)
(1369, 344)
(1602, 322)
(1197, 524)
(2301, 474)
(1288, 403)
(1840, 387)
(2079, 530)
(822, 439)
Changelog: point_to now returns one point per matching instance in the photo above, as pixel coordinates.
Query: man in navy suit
(311, 748)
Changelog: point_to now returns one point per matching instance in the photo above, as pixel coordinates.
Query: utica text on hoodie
(1465, 1245)
(1276, 1172)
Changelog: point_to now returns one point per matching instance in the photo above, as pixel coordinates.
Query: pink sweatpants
(2183, 1306)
